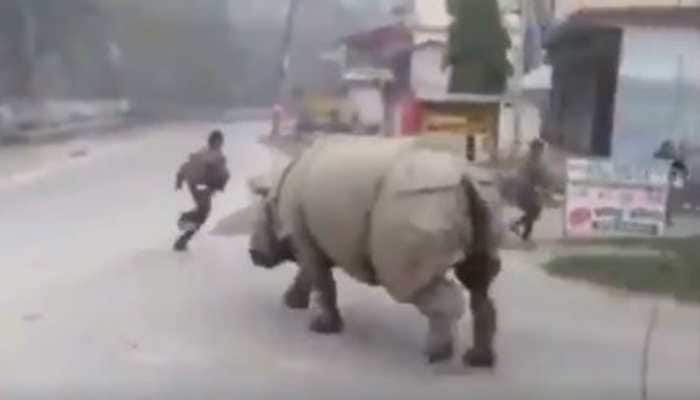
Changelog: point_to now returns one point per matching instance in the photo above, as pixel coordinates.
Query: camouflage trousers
(191, 221)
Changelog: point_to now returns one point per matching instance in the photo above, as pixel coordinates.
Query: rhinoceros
(391, 214)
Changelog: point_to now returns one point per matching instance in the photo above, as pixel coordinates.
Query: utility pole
(518, 73)
(678, 112)
(29, 40)
(284, 63)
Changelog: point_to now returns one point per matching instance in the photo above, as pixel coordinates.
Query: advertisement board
(605, 199)
(435, 122)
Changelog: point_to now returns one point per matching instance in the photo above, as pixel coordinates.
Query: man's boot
(182, 241)
(186, 222)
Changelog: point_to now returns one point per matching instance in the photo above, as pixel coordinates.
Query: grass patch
(676, 274)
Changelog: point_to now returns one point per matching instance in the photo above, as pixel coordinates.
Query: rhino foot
(480, 358)
(327, 324)
(441, 353)
(296, 299)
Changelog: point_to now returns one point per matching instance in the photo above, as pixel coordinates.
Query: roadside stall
(476, 117)
(431, 109)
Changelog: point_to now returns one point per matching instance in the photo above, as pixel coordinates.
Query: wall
(659, 91)
(431, 13)
(427, 76)
(359, 58)
(368, 100)
(530, 122)
(569, 121)
(581, 103)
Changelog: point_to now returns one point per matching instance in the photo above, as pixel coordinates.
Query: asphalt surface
(94, 305)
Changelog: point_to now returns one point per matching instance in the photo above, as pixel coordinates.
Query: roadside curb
(64, 132)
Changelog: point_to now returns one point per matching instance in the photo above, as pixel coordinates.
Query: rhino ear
(259, 186)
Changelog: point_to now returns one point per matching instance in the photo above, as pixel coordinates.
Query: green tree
(477, 47)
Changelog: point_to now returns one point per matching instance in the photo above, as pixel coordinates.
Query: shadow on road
(239, 223)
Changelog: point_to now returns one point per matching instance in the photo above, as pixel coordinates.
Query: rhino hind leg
(476, 274)
(484, 312)
(442, 303)
(298, 294)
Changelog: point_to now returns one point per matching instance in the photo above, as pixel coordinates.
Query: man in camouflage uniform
(530, 182)
(678, 175)
(205, 173)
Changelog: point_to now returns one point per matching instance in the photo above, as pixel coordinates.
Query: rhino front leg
(297, 295)
(316, 267)
(476, 274)
(326, 317)
(442, 302)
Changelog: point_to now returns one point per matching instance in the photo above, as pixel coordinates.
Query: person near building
(205, 173)
(678, 175)
(531, 182)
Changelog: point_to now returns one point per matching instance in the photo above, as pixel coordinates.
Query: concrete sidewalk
(557, 338)
(26, 121)
(22, 164)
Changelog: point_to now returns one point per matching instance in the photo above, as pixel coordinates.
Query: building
(428, 77)
(565, 8)
(624, 82)
(613, 97)
(413, 48)
(376, 66)
(429, 21)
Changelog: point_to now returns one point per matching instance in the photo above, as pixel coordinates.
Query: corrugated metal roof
(431, 13)
(378, 36)
(620, 17)
(645, 16)
(430, 43)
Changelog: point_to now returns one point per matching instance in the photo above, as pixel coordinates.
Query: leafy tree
(477, 47)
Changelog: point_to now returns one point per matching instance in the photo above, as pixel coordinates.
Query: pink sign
(609, 204)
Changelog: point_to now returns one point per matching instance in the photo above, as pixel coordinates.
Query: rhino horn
(259, 186)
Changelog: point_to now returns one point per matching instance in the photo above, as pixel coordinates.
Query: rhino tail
(483, 263)
(481, 218)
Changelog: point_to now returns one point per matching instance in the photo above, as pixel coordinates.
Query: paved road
(94, 305)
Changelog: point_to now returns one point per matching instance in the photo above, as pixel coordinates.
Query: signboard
(445, 123)
(605, 199)
(467, 122)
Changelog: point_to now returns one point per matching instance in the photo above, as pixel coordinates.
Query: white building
(428, 20)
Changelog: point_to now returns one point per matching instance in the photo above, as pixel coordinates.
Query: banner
(607, 199)
(468, 121)
(445, 123)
